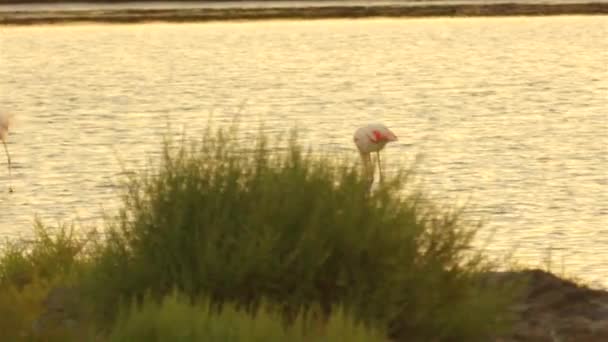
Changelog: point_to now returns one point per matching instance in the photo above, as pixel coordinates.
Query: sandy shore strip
(355, 11)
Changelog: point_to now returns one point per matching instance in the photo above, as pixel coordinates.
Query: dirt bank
(555, 309)
(196, 15)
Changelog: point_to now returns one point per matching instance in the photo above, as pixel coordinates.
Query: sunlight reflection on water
(509, 112)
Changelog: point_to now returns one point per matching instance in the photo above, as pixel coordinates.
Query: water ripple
(509, 113)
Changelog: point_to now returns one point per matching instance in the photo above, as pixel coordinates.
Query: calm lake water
(509, 113)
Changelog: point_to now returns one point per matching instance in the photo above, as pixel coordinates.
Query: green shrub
(29, 270)
(177, 319)
(19, 307)
(243, 223)
(51, 254)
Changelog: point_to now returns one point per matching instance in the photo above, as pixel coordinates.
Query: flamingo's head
(373, 137)
(383, 136)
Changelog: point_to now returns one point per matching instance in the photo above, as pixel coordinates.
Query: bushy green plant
(29, 270)
(240, 223)
(19, 307)
(177, 319)
(49, 255)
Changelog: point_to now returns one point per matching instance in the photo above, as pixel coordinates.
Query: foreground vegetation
(226, 242)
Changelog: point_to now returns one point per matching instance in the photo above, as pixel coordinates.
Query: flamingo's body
(4, 125)
(372, 138)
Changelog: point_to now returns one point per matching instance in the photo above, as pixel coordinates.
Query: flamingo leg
(8, 157)
(380, 167)
(368, 167)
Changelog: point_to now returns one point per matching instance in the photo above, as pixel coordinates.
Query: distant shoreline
(325, 12)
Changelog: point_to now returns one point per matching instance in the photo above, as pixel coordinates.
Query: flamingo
(372, 138)
(4, 124)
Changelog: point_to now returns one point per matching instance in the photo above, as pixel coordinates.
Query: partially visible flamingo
(372, 138)
(4, 124)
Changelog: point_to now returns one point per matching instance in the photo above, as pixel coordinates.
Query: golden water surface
(510, 113)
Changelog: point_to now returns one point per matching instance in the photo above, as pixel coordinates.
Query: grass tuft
(176, 318)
